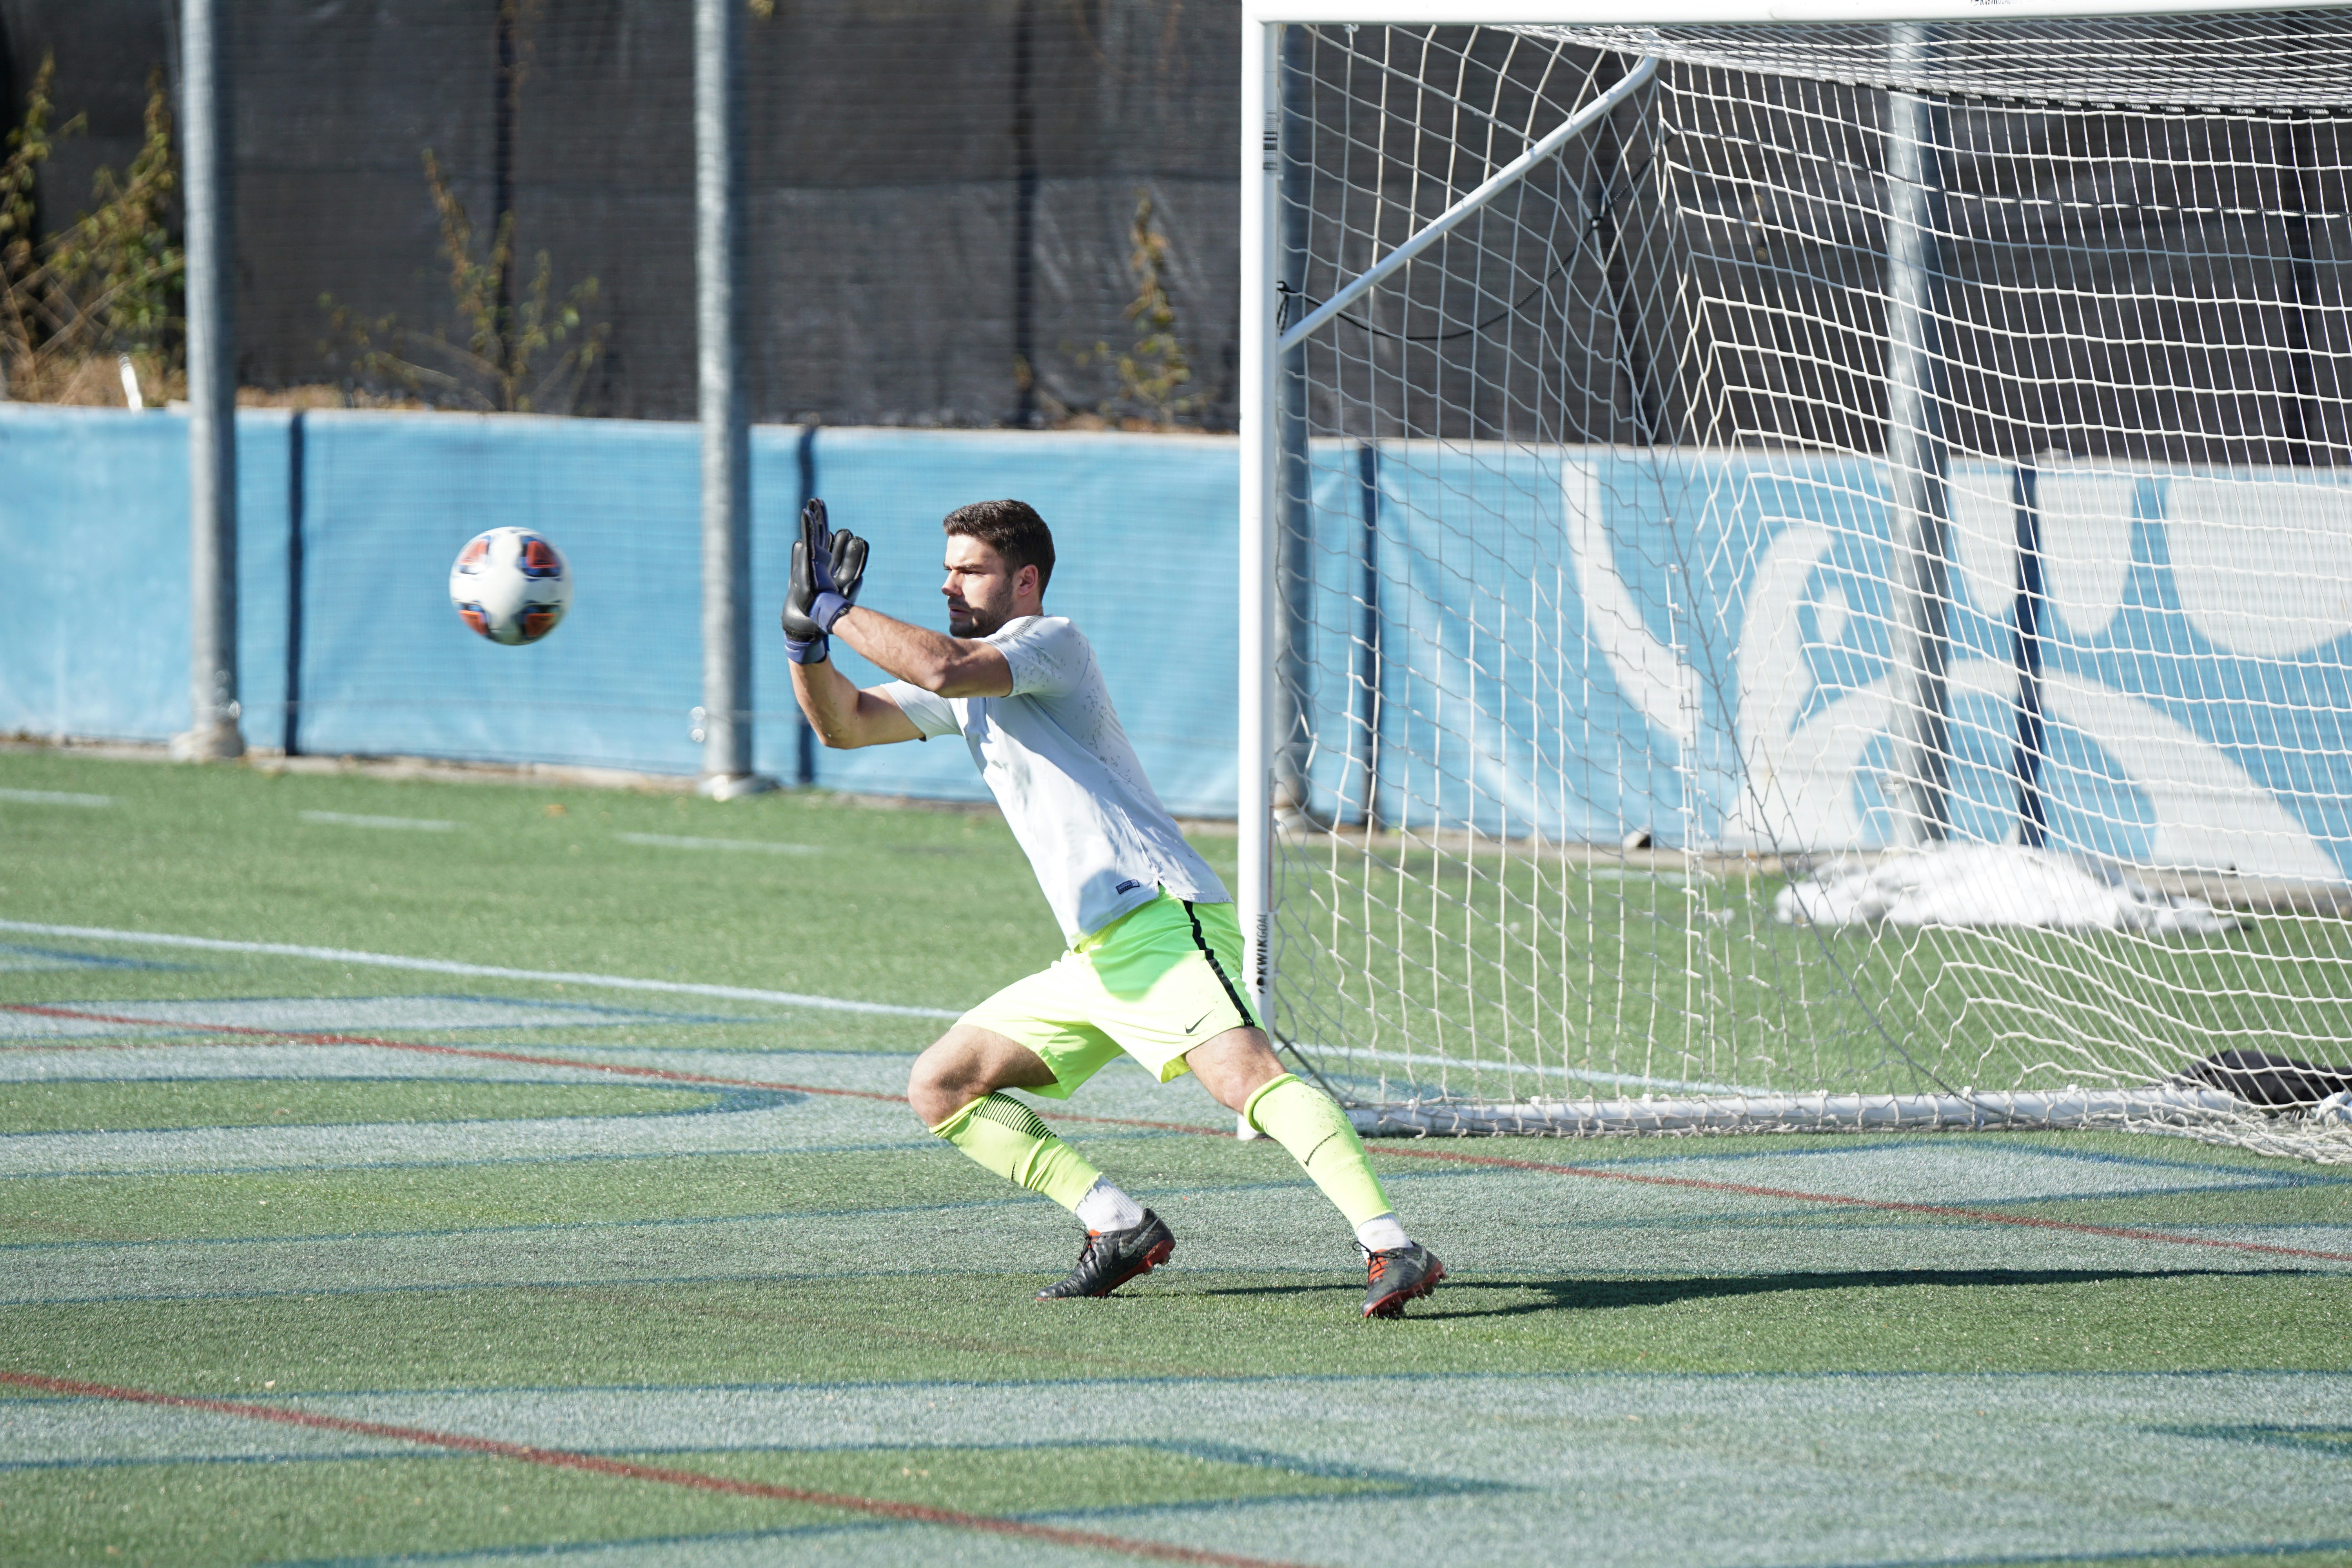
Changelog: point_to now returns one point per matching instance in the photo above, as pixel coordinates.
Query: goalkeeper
(1153, 944)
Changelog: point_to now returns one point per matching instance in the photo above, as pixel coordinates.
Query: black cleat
(1397, 1276)
(1111, 1258)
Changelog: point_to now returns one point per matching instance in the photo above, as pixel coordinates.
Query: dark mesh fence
(943, 199)
(944, 210)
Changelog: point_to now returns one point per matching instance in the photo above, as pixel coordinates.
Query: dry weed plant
(526, 355)
(107, 286)
(1152, 374)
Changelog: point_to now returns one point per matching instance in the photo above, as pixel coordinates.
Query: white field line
(666, 841)
(484, 971)
(345, 819)
(53, 797)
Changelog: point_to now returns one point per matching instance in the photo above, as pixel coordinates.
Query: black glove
(828, 568)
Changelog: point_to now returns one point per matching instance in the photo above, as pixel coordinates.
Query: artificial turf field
(307, 1258)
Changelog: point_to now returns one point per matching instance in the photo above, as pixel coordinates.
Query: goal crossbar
(1736, 13)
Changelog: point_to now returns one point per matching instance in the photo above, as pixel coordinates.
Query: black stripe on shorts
(1202, 942)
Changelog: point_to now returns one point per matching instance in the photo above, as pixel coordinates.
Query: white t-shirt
(1058, 762)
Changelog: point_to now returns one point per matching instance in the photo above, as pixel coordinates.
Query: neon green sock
(1304, 1120)
(1007, 1137)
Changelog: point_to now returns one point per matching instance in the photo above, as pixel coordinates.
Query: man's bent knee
(1235, 1065)
(965, 1064)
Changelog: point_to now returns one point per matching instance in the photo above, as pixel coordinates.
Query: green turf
(214, 1273)
(535, 879)
(240, 1513)
(1803, 1320)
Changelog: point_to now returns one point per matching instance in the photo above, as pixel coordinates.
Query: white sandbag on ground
(1989, 885)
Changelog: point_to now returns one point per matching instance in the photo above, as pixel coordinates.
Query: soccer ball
(2336, 1110)
(510, 585)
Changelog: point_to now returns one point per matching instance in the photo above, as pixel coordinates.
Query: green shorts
(1155, 982)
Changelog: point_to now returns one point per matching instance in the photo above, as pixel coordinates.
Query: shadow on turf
(1594, 1295)
(1572, 1295)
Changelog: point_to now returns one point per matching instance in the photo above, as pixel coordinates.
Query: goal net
(1806, 571)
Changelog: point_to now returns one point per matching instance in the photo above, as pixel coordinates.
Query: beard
(973, 622)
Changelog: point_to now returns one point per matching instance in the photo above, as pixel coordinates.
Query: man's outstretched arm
(952, 666)
(844, 716)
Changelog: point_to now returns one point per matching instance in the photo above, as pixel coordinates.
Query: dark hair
(1011, 528)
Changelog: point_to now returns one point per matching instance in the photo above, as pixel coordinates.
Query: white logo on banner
(2264, 570)
(1661, 688)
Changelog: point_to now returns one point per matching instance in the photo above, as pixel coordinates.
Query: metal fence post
(726, 434)
(212, 729)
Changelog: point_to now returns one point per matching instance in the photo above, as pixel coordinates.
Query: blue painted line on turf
(2133, 1554)
(599, 1282)
(273, 1457)
(1410, 1378)
(1396, 1483)
(404, 1080)
(2335, 1442)
(721, 1102)
(1020, 1200)
(554, 1548)
(66, 958)
(928, 1145)
(553, 1228)
(592, 1015)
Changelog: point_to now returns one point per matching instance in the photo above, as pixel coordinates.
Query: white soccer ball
(2336, 1110)
(510, 585)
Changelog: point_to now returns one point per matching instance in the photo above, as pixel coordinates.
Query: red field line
(1598, 1174)
(598, 1465)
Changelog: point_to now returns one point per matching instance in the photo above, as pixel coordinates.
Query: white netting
(1865, 448)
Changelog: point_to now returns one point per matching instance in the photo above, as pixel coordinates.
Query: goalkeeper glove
(828, 568)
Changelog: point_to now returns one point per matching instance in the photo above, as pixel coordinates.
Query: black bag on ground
(2260, 1078)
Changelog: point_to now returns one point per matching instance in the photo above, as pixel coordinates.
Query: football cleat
(1111, 1258)
(1397, 1276)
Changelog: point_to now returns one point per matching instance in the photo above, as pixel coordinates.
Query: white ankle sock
(1382, 1232)
(1105, 1207)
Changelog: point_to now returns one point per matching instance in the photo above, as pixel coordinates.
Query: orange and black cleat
(1111, 1258)
(1397, 1276)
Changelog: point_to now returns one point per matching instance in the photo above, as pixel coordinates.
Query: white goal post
(1796, 563)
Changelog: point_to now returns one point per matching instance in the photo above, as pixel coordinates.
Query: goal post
(1797, 564)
